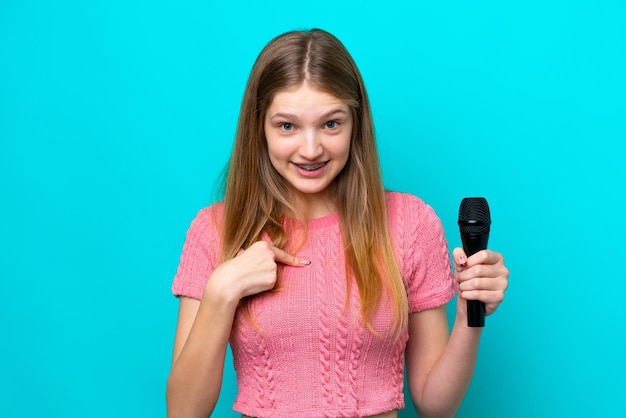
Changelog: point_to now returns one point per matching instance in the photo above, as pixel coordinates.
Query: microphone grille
(474, 216)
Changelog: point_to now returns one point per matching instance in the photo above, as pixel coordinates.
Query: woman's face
(308, 135)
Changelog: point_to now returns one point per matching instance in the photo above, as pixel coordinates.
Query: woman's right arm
(204, 328)
(202, 335)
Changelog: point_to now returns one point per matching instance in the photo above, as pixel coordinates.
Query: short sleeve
(425, 259)
(199, 256)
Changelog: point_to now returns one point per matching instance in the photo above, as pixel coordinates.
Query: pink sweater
(308, 357)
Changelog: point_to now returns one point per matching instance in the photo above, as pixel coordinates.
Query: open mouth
(311, 167)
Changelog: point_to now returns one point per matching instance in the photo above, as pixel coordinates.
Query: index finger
(284, 257)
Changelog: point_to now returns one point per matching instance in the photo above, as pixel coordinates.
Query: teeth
(311, 167)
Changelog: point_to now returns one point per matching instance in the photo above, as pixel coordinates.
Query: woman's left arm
(440, 365)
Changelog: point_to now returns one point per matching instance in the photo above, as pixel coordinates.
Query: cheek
(272, 156)
(343, 147)
(277, 163)
(271, 145)
(276, 153)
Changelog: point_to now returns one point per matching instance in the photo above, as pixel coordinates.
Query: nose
(311, 147)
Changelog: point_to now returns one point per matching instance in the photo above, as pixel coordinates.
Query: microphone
(474, 223)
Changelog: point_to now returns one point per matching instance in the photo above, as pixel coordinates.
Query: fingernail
(305, 262)
(462, 260)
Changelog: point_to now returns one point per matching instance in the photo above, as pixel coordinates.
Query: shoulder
(396, 197)
(422, 251)
(207, 222)
(407, 206)
(210, 213)
(411, 219)
(200, 254)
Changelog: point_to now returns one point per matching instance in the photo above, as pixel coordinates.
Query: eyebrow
(294, 116)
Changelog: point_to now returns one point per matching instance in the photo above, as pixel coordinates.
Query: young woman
(322, 282)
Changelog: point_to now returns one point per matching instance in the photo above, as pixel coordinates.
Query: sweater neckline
(325, 221)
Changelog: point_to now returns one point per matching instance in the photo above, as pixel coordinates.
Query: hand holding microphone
(482, 276)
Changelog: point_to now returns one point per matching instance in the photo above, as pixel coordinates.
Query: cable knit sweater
(307, 355)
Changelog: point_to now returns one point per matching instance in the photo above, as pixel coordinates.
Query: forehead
(305, 98)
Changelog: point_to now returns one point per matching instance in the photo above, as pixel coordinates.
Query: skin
(204, 327)
(440, 365)
(307, 128)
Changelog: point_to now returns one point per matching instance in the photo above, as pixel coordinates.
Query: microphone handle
(475, 308)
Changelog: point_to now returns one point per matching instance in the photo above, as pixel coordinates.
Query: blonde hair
(256, 197)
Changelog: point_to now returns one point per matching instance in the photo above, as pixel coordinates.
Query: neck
(313, 207)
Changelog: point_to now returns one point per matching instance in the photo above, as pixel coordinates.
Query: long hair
(256, 197)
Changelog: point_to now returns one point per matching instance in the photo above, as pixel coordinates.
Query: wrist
(461, 328)
(221, 298)
(461, 319)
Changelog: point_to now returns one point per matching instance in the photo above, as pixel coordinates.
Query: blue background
(116, 118)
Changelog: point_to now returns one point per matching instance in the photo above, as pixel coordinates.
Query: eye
(286, 126)
(332, 124)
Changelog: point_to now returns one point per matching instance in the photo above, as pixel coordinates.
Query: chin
(311, 190)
